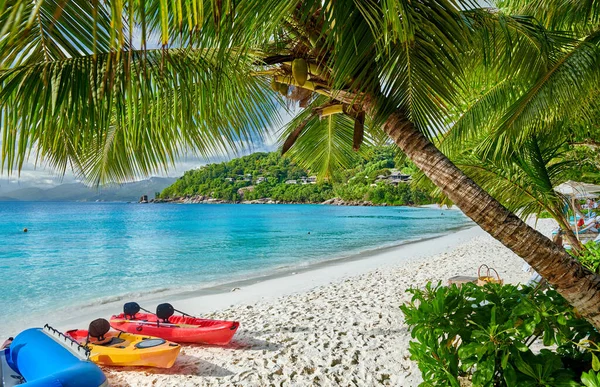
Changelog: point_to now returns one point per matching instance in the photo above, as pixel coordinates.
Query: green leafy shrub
(485, 333)
(590, 379)
(590, 257)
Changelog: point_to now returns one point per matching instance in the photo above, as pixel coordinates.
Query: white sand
(339, 324)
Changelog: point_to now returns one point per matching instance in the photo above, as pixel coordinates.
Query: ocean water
(83, 253)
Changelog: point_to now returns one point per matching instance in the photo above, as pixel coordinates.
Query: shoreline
(329, 202)
(336, 325)
(274, 284)
(79, 314)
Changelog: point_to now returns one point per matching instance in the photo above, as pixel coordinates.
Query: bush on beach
(589, 257)
(489, 336)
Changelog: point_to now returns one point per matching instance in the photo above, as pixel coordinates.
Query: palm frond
(324, 146)
(115, 120)
(556, 14)
(481, 114)
(552, 97)
(524, 181)
(418, 46)
(50, 30)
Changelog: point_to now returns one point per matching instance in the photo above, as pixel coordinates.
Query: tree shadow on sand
(185, 365)
(243, 342)
(387, 332)
(289, 329)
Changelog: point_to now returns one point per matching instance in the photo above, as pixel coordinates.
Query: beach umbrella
(577, 190)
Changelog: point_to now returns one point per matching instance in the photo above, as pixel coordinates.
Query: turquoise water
(82, 253)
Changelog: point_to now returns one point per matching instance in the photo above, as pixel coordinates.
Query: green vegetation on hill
(269, 175)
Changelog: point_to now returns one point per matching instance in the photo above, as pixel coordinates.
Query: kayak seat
(130, 309)
(164, 311)
(111, 342)
(98, 328)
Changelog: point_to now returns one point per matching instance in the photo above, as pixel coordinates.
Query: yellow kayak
(114, 348)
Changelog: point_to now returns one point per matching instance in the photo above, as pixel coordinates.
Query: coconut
(274, 85)
(283, 89)
(300, 71)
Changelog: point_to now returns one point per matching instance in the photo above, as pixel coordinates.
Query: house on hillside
(395, 178)
(308, 180)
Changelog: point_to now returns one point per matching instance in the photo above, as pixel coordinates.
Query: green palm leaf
(324, 146)
(524, 181)
(112, 119)
(51, 30)
(572, 78)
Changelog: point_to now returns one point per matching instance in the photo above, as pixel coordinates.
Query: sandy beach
(339, 324)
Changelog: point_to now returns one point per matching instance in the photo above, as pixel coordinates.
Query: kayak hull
(130, 350)
(180, 329)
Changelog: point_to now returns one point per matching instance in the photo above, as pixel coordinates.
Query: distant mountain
(25, 194)
(128, 192)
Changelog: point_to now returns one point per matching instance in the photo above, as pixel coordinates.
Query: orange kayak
(125, 349)
(179, 329)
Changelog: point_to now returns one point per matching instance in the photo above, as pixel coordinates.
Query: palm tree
(77, 91)
(524, 180)
(517, 136)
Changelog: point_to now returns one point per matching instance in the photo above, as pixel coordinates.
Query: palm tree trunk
(577, 285)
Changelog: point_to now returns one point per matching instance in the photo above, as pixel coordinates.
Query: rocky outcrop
(197, 199)
(201, 199)
(341, 202)
(261, 201)
(243, 190)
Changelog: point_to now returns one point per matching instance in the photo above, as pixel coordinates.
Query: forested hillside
(382, 178)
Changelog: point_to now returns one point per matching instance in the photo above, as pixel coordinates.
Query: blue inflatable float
(44, 357)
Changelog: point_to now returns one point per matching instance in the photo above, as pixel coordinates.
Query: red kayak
(179, 329)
